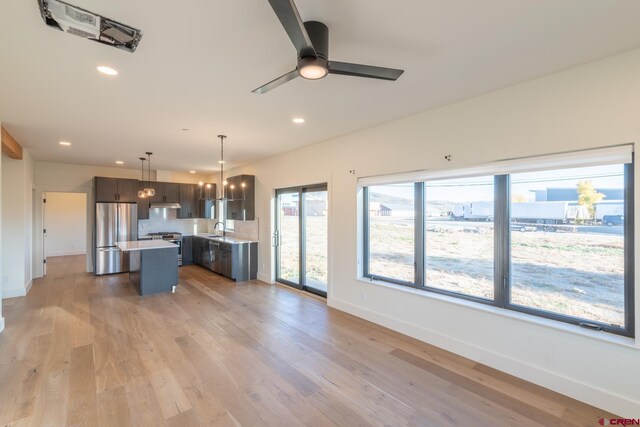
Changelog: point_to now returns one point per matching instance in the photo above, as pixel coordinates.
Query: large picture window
(391, 231)
(459, 237)
(568, 242)
(556, 242)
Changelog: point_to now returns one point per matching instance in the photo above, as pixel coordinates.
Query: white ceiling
(199, 60)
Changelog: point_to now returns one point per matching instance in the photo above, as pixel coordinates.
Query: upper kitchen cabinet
(204, 201)
(206, 209)
(128, 190)
(196, 201)
(116, 190)
(166, 192)
(171, 192)
(188, 205)
(241, 191)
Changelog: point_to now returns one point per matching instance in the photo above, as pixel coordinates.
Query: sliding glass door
(287, 238)
(301, 238)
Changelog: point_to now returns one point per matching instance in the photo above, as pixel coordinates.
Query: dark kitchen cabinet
(235, 261)
(242, 199)
(203, 204)
(166, 192)
(206, 209)
(171, 192)
(187, 201)
(128, 190)
(187, 250)
(203, 252)
(106, 189)
(113, 190)
(196, 249)
(196, 202)
(225, 260)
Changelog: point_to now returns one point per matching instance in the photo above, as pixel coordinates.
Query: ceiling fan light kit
(312, 68)
(311, 40)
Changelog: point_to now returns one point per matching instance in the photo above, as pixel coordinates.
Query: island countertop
(140, 245)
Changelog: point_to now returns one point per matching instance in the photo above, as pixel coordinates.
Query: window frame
(423, 250)
(366, 258)
(502, 255)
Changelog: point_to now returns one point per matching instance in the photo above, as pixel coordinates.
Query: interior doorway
(64, 220)
(301, 237)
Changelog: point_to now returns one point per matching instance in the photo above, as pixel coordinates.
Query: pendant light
(224, 190)
(141, 193)
(149, 190)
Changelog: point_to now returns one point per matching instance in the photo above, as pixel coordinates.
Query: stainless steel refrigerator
(115, 222)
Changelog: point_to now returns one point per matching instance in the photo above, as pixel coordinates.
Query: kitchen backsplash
(161, 219)
(247, 230)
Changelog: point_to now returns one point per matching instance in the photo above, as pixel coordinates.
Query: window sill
(523, 317)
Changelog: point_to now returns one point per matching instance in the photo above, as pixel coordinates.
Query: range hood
(166, 205)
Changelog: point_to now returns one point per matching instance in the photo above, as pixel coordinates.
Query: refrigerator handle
(117, 236)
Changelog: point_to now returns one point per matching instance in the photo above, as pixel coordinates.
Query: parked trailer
(548, 213)
(474, 211)
(609, 208)
(544, 216)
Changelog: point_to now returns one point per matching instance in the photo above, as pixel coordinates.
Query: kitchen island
(153, 265)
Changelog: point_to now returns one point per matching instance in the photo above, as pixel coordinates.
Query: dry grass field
(578, 274)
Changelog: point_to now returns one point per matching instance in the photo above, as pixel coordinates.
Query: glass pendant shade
(142, 194)
(150, 192)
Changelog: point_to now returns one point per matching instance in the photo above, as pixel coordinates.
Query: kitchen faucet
(224, 232)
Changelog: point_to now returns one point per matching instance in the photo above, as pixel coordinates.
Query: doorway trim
(38, 228)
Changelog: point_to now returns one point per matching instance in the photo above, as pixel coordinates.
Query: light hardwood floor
(81, 350)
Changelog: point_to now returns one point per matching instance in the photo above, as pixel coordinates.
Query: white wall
(66, 224)
(17, 181)
(594, 105)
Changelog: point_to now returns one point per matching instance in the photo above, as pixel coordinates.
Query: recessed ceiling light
(119, 162)
(65, 143)
(192, 171)
(298, 120)
(185, 129)
(107, 70)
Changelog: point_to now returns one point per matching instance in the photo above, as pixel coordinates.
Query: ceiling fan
(311, 40)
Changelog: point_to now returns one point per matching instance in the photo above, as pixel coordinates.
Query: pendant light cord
(223, 190)
(149, 169)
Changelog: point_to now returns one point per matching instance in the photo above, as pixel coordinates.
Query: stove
(165, 235)
(170, 236)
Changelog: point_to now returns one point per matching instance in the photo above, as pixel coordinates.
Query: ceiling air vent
(77, 21)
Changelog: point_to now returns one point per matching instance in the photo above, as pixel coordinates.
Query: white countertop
(224, 239)
(140, 245)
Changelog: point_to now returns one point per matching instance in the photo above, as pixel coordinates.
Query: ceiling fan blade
(358, 70)
(277, 82)
(289, 17)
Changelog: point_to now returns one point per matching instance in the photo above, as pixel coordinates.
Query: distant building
(570, 194)
(378, 209)
(391, 209)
